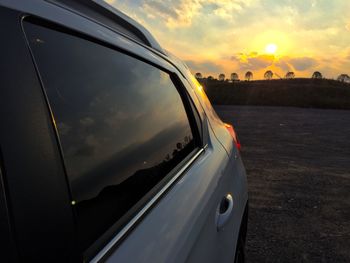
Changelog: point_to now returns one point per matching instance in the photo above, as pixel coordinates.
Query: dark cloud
(163, 8)
(261, 61)
(204, 67)
(253, 61)
(210, 7)
(236, 59)
(284, 65)
(303, 63)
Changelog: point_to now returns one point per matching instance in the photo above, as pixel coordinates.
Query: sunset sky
(222, 36)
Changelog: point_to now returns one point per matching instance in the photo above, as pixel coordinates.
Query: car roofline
(109, 16)
(153, 43)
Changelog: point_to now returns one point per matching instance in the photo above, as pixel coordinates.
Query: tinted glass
(121, 122)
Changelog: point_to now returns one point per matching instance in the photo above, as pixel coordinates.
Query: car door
(149, 180)
(236, 178)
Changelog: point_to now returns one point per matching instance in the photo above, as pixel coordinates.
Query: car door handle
(224, 212)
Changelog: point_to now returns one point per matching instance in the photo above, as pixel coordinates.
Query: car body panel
(182, 227)
(8, 247)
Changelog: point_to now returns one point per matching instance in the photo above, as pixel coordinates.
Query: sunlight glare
(271, 48)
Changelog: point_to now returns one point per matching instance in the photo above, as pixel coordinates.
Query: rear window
(121, 122)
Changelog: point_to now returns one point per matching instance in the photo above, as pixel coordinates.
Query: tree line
(269, 75)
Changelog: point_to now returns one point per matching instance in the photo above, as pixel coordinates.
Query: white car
(109, 148)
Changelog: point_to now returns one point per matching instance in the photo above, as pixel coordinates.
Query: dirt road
(298, 166)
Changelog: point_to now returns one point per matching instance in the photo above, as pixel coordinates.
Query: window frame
(110, 239)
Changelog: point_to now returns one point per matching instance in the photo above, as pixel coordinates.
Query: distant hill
(310, 93)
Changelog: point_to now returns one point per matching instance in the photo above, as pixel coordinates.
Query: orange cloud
(253, 61)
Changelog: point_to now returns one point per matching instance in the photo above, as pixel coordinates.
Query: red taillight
(231, 130)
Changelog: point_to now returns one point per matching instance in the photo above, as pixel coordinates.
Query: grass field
(306, 93)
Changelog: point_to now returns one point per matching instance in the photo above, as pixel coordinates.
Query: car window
(121, 122)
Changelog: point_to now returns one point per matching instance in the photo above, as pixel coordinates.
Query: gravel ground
(298, 166)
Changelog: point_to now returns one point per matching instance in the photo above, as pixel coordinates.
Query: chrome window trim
(148, 206)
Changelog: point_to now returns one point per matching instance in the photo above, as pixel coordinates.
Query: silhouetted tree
(167, 157)
(222, 77)
(268, 75)
(198, 75)
(234, 76)
(179, 146)
(290, 75)
(317, 75)
(249, 75)
(343, 78)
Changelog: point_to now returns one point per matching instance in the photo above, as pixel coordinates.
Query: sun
(271, 48)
